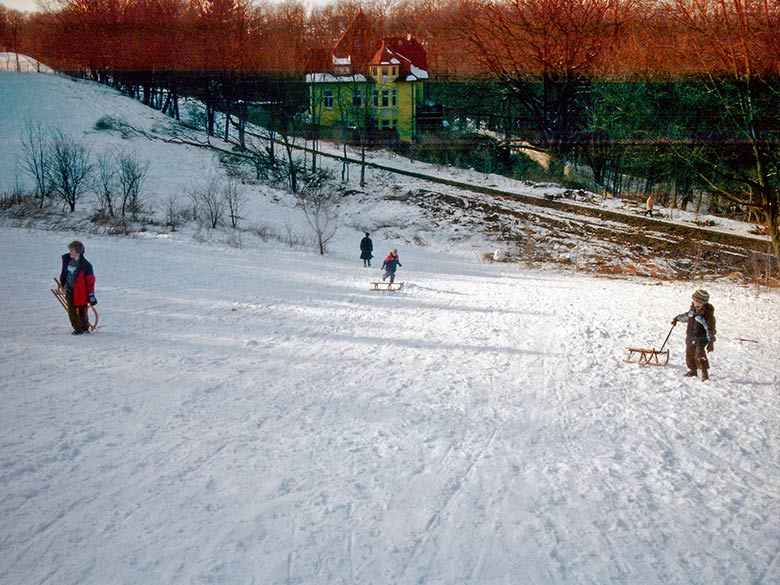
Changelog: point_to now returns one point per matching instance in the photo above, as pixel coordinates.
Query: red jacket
(84, 285)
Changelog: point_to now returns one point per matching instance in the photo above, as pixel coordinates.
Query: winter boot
(690, 374)
(705, 374)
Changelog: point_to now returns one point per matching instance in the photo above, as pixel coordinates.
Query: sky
(24, 5)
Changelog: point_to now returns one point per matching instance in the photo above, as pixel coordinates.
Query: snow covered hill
(249, 412)
(22, 63)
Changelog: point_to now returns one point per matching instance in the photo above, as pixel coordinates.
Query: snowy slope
(22, 63)
(259, 416)
(249, 412)
(75, 108)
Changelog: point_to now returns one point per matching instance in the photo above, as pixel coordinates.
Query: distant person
(78, 280)
(700, 334)
(649, 204)
(366, 250)
(390, 265)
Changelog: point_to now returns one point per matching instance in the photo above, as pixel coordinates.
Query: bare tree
(320, 205)
(733, 39)
(209, 202)
(174, 213)
(131, 176)
(106, 183)
(69, 169)
(37, 156)
(235, 198)
(543, 53)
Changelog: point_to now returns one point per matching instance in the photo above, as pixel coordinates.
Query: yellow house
(359, 94)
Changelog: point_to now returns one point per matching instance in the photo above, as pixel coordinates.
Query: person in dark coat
(366, 250)
(78, 280)
(390, 265)
(700, 334)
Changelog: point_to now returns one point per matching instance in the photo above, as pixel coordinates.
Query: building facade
(369, 88)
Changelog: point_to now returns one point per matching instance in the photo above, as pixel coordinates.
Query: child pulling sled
(700, 334)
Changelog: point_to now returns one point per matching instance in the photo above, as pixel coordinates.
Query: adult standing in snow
(390, 265)
(649, 204)
(700, 334)
(366, 250)
(78, 280)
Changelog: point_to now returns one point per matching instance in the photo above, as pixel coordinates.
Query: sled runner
(387, 285)
(59, 293)
(649, 357)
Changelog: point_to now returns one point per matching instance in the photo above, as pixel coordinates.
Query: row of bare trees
(515, 37)
(63, 167)
(543, 55)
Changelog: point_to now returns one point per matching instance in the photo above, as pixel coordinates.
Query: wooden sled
(386, 285)
(59, 294)
(647, 357)
(650, 357)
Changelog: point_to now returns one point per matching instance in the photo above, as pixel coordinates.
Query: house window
(384, 71)
(395, 71)
(327, 99)
(357, 98)
(389, 124)
(376, 98)
(385, 98)
(395, 97)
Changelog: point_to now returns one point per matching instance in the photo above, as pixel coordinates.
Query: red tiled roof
(357, 43)
(403, 52)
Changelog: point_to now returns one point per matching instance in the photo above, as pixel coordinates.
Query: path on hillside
(594, 238)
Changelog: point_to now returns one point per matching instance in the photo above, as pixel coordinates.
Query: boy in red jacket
(78, 279)
(390, 265)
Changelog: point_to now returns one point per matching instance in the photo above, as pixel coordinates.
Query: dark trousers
(696, 355)
(79, 318)
(366, 262)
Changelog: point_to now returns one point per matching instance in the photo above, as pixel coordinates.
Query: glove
(674, 321)
(92, 299)
(710, 347)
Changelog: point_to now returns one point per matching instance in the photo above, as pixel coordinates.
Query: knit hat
(701, 296)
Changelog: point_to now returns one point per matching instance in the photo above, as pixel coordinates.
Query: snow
(249, 412)
(417, 73)
(22, 63)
